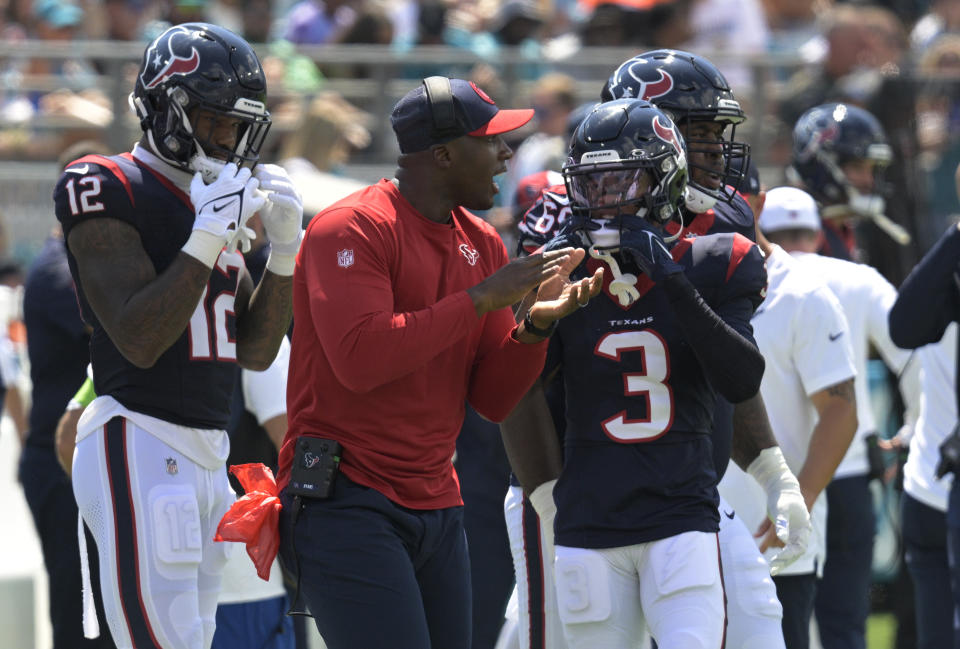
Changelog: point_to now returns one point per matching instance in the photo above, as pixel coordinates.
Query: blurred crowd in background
(335, 66)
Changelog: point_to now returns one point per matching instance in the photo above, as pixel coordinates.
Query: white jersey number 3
(649, 384)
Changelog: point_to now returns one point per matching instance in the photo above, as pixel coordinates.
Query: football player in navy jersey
(636, 523)
(152, 237)
(695, 94)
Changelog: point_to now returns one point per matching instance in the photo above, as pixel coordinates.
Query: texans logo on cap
(170, 55)
(651, 83)
(484, 96)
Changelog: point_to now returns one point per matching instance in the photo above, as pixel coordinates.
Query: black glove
(642, 243)
(566, 237)
(949, 454)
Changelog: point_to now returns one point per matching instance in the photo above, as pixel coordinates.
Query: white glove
(546, 508)
(785, 506)
(283, 214)
(222, 210)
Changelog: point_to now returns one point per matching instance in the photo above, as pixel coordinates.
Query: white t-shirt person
(866, 297)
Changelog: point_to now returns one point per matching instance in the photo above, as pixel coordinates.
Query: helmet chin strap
(623, 285)
(208, 167)
(673, 237)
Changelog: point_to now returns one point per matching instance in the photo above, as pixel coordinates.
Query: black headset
(440, 98)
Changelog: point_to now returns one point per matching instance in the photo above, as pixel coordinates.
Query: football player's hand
(641, 242)
(224, 206)
(565, 238)
(788, 520)
(283, 213)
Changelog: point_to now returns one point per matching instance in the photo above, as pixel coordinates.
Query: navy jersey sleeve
(543, 220)
(745, 277)
(735, 216)
(92, 187)
(929, 299)
(727, 282)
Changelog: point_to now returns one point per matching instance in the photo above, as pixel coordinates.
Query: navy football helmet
(689, 88)
(194, 79)
(627, 160)
(824, 139)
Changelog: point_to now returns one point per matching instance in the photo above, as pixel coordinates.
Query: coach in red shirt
(401, 300)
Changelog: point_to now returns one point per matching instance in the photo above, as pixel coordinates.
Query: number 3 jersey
(638, 462)
(192, 382)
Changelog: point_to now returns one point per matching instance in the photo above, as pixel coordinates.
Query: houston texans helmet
(824, 139)
(193, 70)
(627, 160)
(689, 88)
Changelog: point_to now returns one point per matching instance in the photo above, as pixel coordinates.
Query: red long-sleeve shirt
(387, 346)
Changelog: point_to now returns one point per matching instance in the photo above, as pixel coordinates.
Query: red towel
(254, 518)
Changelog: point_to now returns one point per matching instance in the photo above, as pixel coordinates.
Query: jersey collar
(180, 179)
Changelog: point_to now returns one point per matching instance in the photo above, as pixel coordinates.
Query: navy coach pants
(953, 555)
(843, 595)
(374, 574)
(925, 541)
(796, 594)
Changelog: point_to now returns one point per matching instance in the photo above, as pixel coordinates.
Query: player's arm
(837, 411)
(531, 442)
(722, 340)
(143, 313)
(751, 431)
(755, 450)
(65, 436)
(268, 310)
(264, 318)
(929, 298)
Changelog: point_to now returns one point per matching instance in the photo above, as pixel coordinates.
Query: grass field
(881, 631)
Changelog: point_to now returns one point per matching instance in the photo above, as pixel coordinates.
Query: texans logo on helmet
(826, 134)
(668, 134)
(168, 57)
(647, 88)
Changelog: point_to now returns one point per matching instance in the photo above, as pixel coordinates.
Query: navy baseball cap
(440, 110)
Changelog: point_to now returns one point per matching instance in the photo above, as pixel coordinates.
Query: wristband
(283, 257)
(204, 247)
(535, 330)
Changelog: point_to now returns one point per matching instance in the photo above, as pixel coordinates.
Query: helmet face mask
(196, 82)
(627, 161)
(693, 92)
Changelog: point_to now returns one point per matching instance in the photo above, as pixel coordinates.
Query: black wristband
(535, 330)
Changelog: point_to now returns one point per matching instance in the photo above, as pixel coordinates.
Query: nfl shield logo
(172, 466)
(345, 258)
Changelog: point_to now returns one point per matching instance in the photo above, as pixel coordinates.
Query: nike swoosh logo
(222, 206)
(729, 515)
(833, 337)
(79, 170)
